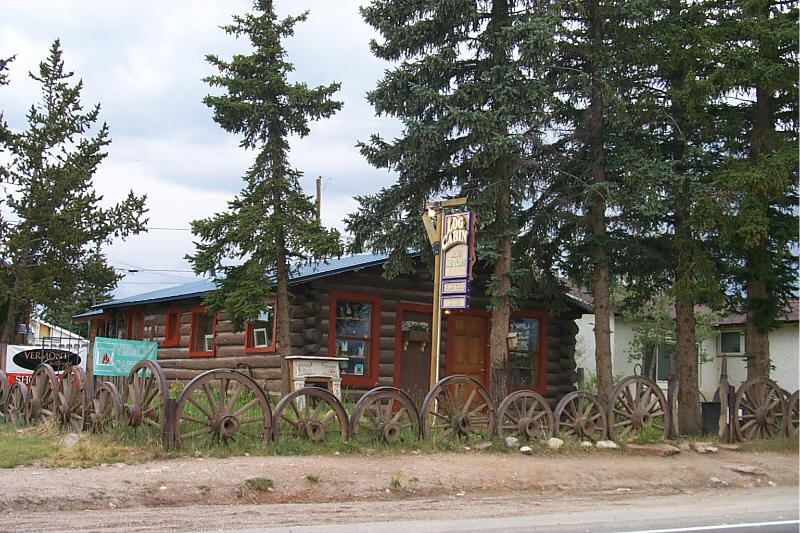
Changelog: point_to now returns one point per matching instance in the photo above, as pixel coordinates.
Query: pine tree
(471, 93)
(52, 243)
(757, 183)
(269, 229)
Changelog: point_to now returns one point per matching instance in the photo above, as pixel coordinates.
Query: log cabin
(346, 308)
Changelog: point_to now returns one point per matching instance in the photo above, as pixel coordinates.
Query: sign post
(434, 221)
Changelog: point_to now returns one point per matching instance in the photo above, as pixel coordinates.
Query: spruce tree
(471, 93)
(757, 75)
(53, 240)
(269, 228)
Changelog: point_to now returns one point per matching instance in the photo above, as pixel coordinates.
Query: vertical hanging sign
(458, 257)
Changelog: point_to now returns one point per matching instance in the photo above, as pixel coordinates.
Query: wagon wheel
(385, 413)
(106, 407)
(458, 406)
(3, 394)
(636, 402)
(790, 421)
(580, 414)
(222, 405)
(73, 398)
(760, 407)
(310, 413)
(524, 414)
(15, 403)
(145, 398)
(41, 403)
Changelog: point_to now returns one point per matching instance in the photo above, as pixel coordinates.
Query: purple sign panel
(458, 256)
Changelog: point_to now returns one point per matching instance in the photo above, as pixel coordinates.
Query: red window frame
(173, 316)
(130, 334)
(248, 333)
(196, 312)
(371, 378)
(542, 374)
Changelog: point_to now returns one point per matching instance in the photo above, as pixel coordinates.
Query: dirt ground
(180, 491)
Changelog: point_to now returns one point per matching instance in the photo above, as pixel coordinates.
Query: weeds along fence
(228, 406)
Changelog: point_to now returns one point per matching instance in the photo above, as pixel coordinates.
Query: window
(525, 355)
(201, 333)
(172, 331)
(656, 361)
(260, 333)
(355, 322)
(731, 342)
(134, 322)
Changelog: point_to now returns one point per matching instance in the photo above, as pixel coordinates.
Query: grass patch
(396, 479)
(258, 484)
(648, 435)
(312, 478)
(781, 444)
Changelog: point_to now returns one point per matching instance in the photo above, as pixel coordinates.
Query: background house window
(731, 342)
(524, 356)
(260, 333)
(354, 335)
(172, 331)
(656, 361)
(201, 336)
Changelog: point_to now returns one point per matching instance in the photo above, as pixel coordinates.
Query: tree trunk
(501, 307)
(758, 259)
(597, 217)
(756, 342)
(282, 315)
(686, 340)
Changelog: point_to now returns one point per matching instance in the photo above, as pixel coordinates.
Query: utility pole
(319, 197)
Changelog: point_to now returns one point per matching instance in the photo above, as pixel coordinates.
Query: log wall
(310, 326)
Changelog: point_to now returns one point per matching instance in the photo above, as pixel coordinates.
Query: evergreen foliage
(53, 242)
(470, 90)
(269, 227)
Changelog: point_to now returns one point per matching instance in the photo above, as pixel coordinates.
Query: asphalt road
(762, 512)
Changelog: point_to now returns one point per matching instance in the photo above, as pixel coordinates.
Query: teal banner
(117, 357)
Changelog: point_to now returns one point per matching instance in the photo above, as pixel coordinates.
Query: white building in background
(41, 333)
(784, 348)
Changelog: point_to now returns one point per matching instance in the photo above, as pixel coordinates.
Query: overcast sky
(144, 62)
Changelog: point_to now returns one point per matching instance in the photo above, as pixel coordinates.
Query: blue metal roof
(200, 287)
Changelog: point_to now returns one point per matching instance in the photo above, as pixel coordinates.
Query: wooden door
(413, 350)
(466, 346)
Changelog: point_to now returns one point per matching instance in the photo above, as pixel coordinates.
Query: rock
(704, 447)
(718, 481)
(512, 442)
(483, 446)
(749, 470)
(587, 444)
(70, 440)
(526, 450)
(683, 445)
(555, 443)
(607, 445)
(659, 450)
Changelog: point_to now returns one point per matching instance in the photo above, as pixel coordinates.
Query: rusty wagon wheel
(3, 394)
(222, 405)
(791, 419)
(385, 413)
(759, 407)
(310, 413)
(524, 414)
(580, 414)
(106, 408)
(636, 402)
(42, 401)
(15, 403)
(73, 398)
(457, 406)
(144, 401)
